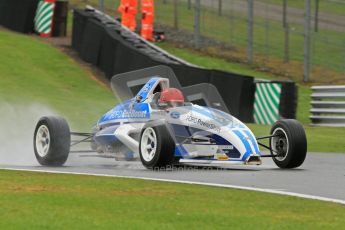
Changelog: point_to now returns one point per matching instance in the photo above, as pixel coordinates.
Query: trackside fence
(288, 37)
(328, 106)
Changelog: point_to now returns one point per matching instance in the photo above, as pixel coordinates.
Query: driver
(171, 97)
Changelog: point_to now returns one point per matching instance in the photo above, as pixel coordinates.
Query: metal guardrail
(328, 106)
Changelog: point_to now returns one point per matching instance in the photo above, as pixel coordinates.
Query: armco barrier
(102, 41)
(18, 15)
(328, 106)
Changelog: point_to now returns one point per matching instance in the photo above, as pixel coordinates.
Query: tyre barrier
(46, 17)
(274, 100)
(18, 15)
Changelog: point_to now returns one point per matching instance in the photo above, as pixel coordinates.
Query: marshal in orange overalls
(147, 19)
(128, 9)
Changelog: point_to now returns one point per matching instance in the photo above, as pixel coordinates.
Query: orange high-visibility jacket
(128, 6)
(128, 9)
(147, 10)
(147, 19)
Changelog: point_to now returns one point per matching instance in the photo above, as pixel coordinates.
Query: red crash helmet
(171, 97)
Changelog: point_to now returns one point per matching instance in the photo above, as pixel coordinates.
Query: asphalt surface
(322, 174)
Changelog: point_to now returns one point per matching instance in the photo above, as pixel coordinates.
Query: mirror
(138, 98)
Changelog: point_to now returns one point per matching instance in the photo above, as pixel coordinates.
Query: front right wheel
(288, 144)
(52, 140)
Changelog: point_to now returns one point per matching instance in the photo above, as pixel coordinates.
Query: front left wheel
(156, 147)
(52, 140)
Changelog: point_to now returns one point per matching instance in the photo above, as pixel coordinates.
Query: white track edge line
(272, 191)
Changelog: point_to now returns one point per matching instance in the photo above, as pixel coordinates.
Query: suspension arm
(266, 137)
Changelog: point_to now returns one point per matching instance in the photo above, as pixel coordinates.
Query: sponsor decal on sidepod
(204, 124)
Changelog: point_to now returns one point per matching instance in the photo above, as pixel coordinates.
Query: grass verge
(33, 71)
(333, 6)
(55, 201)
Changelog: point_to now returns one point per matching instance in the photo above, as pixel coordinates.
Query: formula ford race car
(161, 129)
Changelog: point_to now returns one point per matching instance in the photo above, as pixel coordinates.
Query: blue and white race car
(158, 127)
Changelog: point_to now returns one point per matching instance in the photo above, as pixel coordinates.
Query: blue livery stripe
(253, 140)
(147, 88)
(203, 111)
(245, 142)
(180, 151)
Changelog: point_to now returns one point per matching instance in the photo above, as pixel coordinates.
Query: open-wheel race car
(161, 129)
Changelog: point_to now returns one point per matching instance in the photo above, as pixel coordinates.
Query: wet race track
(322, 176)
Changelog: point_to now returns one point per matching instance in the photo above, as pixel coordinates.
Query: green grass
(35, 72)
(234, 32)
(333, 7)
(55, 201)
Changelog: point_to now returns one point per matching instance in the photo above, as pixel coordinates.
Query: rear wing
(126, 85)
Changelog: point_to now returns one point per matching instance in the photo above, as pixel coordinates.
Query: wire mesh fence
(269, 34)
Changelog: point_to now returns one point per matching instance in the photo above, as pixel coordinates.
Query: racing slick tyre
(289, 143)
(52, 140)
(156, 147)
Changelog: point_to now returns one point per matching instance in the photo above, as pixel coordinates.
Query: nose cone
(243, 139)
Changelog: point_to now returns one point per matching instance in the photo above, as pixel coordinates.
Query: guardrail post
(176, 14)
(316, 18)
(286, 43)
(306, 72)
(284, 12)
(197, 23)
(220, 3)
(101, 5)
(250, 32)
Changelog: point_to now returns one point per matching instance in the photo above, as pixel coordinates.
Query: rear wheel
(289, 143)
(156, 147)
(52, 140)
